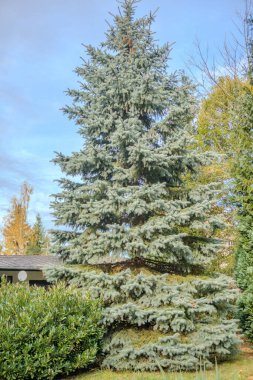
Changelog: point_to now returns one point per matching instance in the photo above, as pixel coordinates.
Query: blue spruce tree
(128, 212)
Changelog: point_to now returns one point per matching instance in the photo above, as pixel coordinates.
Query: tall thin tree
(17, 231)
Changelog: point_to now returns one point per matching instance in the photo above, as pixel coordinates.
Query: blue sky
(39, 48)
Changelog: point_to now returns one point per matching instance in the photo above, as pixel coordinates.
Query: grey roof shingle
(21, 262)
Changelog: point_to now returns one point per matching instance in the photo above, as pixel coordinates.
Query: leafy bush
(245, 310)
(44, 333)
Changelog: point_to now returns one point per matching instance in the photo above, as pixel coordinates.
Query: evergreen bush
(46, 333)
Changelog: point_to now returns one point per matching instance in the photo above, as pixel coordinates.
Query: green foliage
(161, 320)
(215, 129)
(243, 189)
(45, 333)
(39, 241)
(245, 311)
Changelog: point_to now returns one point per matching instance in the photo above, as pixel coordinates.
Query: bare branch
(234, 56)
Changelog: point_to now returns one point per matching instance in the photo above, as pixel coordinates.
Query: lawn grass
(240, 368)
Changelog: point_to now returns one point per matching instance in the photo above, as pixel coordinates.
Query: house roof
(31, 262)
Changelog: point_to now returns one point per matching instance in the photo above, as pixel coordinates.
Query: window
(38, 282)
(8, 278)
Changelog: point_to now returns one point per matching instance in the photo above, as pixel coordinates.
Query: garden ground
(241, 368)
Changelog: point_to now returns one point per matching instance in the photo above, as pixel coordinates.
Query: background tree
(220, 129)
(19, 237)
(243, 173)
(215, 128)
(133, 208)
(243, 188)
(39, 240)
(17, 231)
(224, 79)
(232, 60)
(217, 131)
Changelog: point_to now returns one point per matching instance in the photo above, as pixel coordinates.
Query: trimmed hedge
(45, 333)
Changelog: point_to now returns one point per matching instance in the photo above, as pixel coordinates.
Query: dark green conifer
(242, 117)
(243, 189)
(39, 241)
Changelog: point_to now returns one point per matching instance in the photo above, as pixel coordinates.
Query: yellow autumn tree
(17, 232)
(217, 132)
(215, 129)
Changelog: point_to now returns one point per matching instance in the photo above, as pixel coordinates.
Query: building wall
(31, 275)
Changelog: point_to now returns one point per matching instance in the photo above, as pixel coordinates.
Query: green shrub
(45, 333)
(245, 310)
